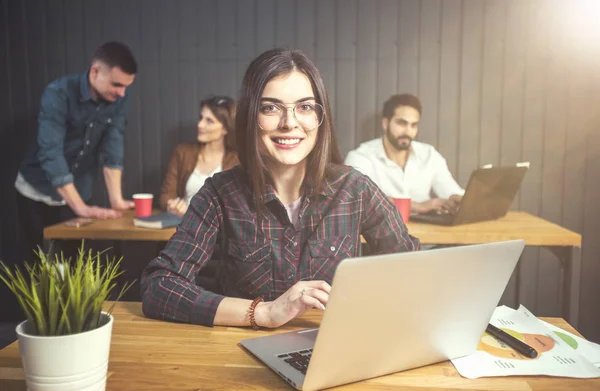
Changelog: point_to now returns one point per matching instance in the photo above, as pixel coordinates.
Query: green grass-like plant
(60, 297)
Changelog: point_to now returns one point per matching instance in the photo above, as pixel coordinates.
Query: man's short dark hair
(390, 105)
(116, 54)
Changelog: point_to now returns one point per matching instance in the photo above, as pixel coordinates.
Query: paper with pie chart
(585, 348)
(559, 353)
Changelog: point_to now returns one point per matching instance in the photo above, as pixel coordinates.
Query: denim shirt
(75, 135)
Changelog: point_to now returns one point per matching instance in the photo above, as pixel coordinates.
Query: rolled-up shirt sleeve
(168, 287)
(444, 185)
(112, 149)
(361, 163)
(51, 137)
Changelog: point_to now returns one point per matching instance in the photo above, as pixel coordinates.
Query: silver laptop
(389, 313)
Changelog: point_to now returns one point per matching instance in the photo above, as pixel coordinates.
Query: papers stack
(560, 353)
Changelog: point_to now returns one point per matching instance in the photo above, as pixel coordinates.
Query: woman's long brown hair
(267, 66)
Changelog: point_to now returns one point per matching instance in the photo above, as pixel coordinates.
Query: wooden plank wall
(501, 81)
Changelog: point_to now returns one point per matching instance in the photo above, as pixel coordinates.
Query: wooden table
(111, 229)
(515, 225)
(152, 355)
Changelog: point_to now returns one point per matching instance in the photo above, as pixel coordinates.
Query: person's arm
(168, 287)
(361, 163)
(301, 297)
(444, 185)
(168, 190)
(52, 122)
(448, 192)
(71, 196)
(381, 223)
(112, 178)
(111, 156)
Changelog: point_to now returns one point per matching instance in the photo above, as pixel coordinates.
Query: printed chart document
(559, 353)
(583, 347)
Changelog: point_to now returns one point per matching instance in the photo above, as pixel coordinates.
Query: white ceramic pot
(66, 363)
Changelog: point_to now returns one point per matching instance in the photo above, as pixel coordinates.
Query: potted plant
(65, 342)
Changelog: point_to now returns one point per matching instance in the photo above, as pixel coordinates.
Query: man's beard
(401, 143)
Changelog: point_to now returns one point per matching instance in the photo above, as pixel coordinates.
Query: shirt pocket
(326, 254)
(250, 267)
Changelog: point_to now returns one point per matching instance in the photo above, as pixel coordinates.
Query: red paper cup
(143, 204)
(403, 205)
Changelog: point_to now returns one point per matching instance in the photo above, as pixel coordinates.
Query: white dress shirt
(426, 171)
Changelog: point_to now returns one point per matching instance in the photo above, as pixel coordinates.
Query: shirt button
(91, 124)
(332, 248)
(108, 120)
(98, 108)
(87, 142)
(290, 276)
(81, 153)
(76, 165)
(295, 244)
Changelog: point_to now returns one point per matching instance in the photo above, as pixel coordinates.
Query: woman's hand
(177, 206)
(303, 296)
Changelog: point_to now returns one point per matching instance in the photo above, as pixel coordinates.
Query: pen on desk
(511, 341)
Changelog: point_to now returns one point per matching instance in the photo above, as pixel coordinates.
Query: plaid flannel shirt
(267, 258)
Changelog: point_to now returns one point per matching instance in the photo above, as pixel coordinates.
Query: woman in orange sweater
(212, 152)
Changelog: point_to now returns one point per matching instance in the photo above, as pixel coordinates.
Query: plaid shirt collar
(328, 190)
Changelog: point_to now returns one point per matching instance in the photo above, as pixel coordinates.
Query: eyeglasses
(308, 115)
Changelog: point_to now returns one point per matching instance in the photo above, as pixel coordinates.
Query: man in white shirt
(402, 167)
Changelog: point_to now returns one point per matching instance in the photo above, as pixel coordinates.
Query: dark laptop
(488, 196)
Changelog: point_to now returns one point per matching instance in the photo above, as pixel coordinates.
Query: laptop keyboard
(298, 359)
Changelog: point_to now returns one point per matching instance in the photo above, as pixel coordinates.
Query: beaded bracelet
(251, 312)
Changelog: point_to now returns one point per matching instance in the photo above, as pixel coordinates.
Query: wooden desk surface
(112, 229)
(152, 355)
(515, 225)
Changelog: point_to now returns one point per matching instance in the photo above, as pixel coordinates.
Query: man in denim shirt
(81, 124)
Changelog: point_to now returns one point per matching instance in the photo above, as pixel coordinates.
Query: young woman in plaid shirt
(284, 219)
